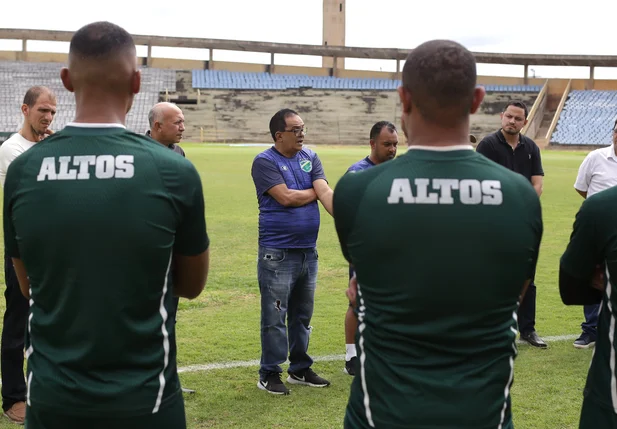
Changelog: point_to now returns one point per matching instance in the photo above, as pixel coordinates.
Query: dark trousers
(13, 339)
(589, 326)
(175, 308)
(527, 311)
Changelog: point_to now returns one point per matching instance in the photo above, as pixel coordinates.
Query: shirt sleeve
(485, 148)
(10, 235)
(7, 156)
(265, 175)
(191, 235)
(583, 252)
(317, 172)
(536, 165)
(583, 179)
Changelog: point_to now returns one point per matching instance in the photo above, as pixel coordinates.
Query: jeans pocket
(274, 256)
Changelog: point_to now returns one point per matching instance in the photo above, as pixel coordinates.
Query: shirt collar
(442, 148)
(94, 125)
(368, 159)
(502, 138)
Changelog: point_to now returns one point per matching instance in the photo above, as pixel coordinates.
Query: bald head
(102, 58)
(440, 78)
(166, 123)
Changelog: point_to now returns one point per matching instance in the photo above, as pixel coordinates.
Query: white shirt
(598, 171)
(11, 149)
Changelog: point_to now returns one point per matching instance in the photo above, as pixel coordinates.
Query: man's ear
(478, 96)
(136, 82)
(405, 97)
(65, 75)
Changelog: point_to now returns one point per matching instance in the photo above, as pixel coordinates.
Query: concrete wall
(332, 117)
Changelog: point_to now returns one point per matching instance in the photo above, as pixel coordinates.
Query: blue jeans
(287, 280)
(591, 320)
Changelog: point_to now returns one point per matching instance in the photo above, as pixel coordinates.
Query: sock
(350, 351)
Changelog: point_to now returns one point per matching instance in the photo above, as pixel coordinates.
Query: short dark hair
(278, 123)
(380, 126)
(441, 77)
(100, 40)
(519, 104)
(33, 94)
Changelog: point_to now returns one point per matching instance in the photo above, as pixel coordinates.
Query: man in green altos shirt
(439, 280)
(587, 269)
(93, 218)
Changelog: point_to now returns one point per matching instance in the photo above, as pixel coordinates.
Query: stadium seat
(587, 118)
(17, 76)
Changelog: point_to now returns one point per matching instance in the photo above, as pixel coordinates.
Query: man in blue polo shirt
(383, 140)
(289, 179)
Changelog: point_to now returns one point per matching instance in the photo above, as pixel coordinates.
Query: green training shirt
(594, 241)
(96, 214)
(442, 241)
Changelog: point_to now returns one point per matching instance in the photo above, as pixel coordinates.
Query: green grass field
(222, 325)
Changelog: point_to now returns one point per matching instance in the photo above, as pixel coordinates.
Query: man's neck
(28, 133)
(421, 133)
(373, 159)
(286, 154)
(511, 139)
(106, 110)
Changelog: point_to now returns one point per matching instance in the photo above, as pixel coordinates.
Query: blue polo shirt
(363, 164)
(283, 227)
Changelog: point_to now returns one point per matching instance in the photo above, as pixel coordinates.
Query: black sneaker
(273, 384)
(585, 341)
(351, 365)
(307, 378)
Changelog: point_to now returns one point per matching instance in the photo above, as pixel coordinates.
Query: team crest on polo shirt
(306, 165)
(284, 167)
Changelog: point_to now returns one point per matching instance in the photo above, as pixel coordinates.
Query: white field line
(328, 358)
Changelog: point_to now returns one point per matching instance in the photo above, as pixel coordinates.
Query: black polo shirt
(177, 149)
(525, 159)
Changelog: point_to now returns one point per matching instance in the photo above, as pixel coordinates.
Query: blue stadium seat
(587, 118)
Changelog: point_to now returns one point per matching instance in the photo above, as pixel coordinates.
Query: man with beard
(38, 108)
(383, 140)
(519, 153)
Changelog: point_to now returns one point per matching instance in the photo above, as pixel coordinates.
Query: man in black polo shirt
(519, 153)
(166, 127)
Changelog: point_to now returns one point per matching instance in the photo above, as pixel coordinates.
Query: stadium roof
(322, 51)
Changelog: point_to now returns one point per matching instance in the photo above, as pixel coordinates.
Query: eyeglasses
(297, 131)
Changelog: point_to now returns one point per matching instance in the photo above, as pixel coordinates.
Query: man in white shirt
(38, 108)
(597, 172)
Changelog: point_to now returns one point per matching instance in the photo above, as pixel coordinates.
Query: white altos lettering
(439, 191)
(78, 167)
